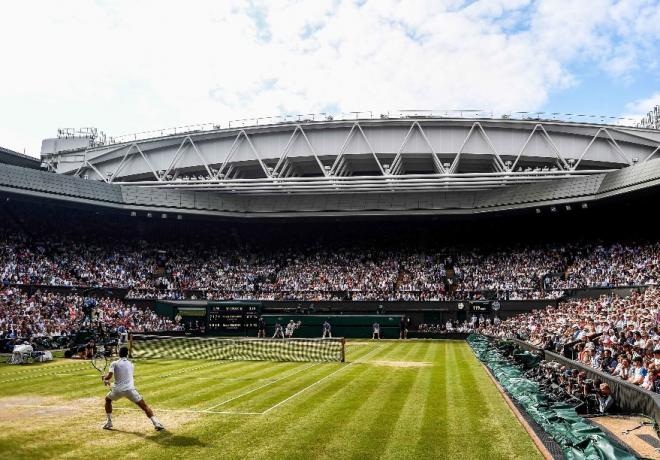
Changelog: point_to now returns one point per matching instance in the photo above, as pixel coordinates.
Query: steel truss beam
(561, 160)
(370, 183)
(395, 167)
(124, 161)
(612, 142)
(179, 155)
(234, 148)
(356, 127)
(285, 167)
(499, 164)
(652, 154)
(289, 145)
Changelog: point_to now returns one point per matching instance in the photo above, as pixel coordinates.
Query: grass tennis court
(417, 399)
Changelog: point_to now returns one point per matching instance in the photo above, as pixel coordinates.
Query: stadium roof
(18, 159)
(172, 203)
(366, 166)
(372, 155)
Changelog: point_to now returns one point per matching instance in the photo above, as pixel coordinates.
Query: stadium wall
(347, 316)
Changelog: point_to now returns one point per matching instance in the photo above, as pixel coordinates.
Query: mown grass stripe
(191, 391)
(341, 369)
(408, 429)
(375, 422)
(431, 440)
(318, 414)
(248, 392)
(496, 417)
(221, 391)
(8, 369)
(263, 400)
(226, 434)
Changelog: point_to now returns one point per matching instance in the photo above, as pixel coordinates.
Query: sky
(130, 66)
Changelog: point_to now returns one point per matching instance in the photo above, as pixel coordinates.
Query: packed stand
(319, 272)
(52, 320)
(616, 335)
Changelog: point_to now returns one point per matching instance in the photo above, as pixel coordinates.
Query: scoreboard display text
(232, 318)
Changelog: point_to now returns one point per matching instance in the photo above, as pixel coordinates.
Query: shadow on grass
(165, 438)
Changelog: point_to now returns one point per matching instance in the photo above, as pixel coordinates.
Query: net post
(343, 350)
(130, 344)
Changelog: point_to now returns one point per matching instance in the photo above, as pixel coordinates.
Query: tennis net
(246, 349)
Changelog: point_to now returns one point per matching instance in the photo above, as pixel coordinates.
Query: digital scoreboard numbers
(480, 306)
(251, 316)
(232, 318)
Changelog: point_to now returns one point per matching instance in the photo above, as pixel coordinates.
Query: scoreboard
(232, 317)
(481, 306)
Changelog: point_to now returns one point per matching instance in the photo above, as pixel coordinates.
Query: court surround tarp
(578, 439)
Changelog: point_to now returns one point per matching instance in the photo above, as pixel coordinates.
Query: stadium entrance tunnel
(558, 421)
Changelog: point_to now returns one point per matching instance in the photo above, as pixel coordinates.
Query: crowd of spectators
(55, 317)
(617, 335)
(318, 272)
(613, 265)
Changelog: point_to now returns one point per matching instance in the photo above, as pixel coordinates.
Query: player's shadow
(165, 438)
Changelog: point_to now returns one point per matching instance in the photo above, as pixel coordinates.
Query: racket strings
(100, 362)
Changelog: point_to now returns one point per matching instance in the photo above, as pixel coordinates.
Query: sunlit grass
(418, 399)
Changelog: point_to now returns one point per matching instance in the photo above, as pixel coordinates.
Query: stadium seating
(316, 272)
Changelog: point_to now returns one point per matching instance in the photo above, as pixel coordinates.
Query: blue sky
(126, 66)
(604, 95)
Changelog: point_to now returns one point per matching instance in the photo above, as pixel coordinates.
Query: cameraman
(590, 393)
(605, 399)
(89, 305)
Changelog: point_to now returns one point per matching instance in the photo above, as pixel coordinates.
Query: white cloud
(128, 66)
(638, 109)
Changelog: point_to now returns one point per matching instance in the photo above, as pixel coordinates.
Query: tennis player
(122, 370)
(403, 327)
(327, 329)
(376, 333)
(289, 329)
(278, 331)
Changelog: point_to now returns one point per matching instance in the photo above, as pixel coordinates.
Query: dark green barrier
(578, 439)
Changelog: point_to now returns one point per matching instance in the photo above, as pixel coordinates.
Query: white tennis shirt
(122, 369)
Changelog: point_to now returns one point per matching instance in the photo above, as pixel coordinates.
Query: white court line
(190, 411)
(320, 380)
(42, 367)
(220, 379)
(77, 408)
(262, 386)
(47, 374)
(188, 369)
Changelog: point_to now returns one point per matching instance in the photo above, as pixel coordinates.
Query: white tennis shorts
(132, 395)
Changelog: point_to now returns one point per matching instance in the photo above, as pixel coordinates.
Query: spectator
(605, 399)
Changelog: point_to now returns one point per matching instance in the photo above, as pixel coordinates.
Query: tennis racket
(100, 362)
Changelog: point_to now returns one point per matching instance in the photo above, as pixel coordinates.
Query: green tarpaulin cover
(578, 438)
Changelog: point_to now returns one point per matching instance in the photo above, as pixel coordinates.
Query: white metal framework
(364, 155)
